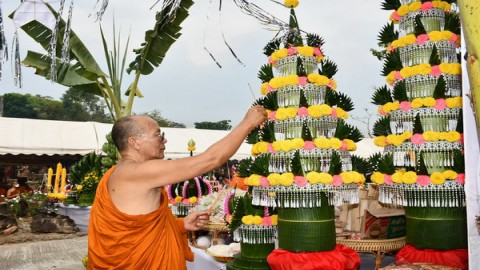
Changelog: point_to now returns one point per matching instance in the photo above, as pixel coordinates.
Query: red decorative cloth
(457, 258)
(340, 258)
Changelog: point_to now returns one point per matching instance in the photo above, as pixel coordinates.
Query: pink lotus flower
(390, 48)
(405, 106)
(309, 145)
(300, 181)
(337, 181)
(317, 51)
(269, 60)
(334, 112)
(270, 88)
(440, 104)
(272, 115)
(267, 221)
(387, 179)
(302, 111)
(302, 81)
(417, 139)
(270, 149)
(426, 6)
(454, 38)
(423, 180)
(344, 145)
(421, 39)
(292, 51)
(398, 76)
(395, 16)
(460, 178)
(382, 112)
(436, 71)
(264, 182)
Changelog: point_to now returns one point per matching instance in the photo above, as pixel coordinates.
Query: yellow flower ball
(291, 112)
(298, 143)
(274, 179)
(325, 178)
(417, 103)
(291, 3)
(380, 141)
(449, 174)
(313, 177)
(335, 143)
(263, 88)
(247, 220)
(452, 136)
(429, 101)
(351, 145)
(257, 220)
(347, 177)
(178, 199)
(322, 142)
(410, 39)
(437, 178)
(435, 36)
(409, 178)
(192, 200)
(431, 136)
(341, 113)
(397, 177)
(414, 6)
(314, 111)
(403, 10)
(274, 220)
(286, 179)
(378, 178)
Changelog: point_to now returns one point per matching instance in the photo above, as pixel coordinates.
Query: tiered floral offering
(302, 164)
(422, 167)
(254, 227)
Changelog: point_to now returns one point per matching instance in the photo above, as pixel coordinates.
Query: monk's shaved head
(127, 127)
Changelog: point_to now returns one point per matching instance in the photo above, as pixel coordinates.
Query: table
(79, 214)
(203, 261)
(379, 247)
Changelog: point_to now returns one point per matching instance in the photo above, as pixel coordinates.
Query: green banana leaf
(158, 41)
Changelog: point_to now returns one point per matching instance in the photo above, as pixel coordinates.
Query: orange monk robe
(117, 240)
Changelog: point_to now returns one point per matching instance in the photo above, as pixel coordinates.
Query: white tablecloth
(203, 261)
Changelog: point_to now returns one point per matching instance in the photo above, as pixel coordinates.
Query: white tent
(20, 136)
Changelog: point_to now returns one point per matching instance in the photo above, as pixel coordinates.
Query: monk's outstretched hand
(196, 220)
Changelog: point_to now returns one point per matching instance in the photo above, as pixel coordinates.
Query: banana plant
(83, 71)
(469, 12)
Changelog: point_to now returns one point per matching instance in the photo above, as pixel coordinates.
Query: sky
(188, 86)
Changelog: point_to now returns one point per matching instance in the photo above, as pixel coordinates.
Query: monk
(131, 226)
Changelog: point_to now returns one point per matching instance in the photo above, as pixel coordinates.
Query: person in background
(19, 186)
(130, 225)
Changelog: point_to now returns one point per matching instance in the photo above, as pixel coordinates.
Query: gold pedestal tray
(215, 228)
(379, 247)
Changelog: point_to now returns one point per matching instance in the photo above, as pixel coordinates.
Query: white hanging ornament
(34, 10)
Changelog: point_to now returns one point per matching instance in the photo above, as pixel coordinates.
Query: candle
(57, 177)
(49, 179)
(64, 180)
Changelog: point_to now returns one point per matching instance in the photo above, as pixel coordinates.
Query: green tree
(82, 106)
(18, 106)
(163, 122)
(46, 107)
(220, 125)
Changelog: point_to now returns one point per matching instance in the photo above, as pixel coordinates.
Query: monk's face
(152, 140)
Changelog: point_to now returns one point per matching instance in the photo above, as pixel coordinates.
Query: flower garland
(282, 81)
(418, 139)
(424, 69)
(258, 220)
(314, 111)
(416, 6)
(299, 143)
(433, 36)
(438, 104)
(306, 51)
(411, 177)
(288, 179)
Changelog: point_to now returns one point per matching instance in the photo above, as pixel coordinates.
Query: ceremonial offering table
(204, 261)
(79, 214)
(379, 247)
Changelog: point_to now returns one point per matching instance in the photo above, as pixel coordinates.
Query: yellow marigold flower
(79, 187)
(351, 145)
(380, 141)
(263, 88)
(286, 145)
(447, 35)
(403, 10)
(283, 52)
(254, 180)
(395, 44)
(360, 178)
(305, 50)
(397, 177)
(333, 84)
(341, 113)
(178, 199)
(286, 179)
(314, 111)
(423, 69)
(277, 145)
(325, 178)
(192, 200)
(452, 136)
(322, 142)
(336, 143)
(449, 174)
(407, 135)
(257, 220)
(417, 103)
(429, 101)
(318, 79)
(409, 178)
(274, 220)
(262, 147)
(247, 220)
(281, 114)
(437, 178)
(435, 36)
(325, 109)
(431, 136)
(410, 39)
(415, 6)
(291, 3)
(291, 79)
(313, 177)
(298, 143)
(391, 77)
(347, 177)
(395, 139)
(291, 112)
(274, 179)
(378, 178)
(455, 102)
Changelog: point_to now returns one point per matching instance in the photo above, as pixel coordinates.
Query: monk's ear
(133, 141)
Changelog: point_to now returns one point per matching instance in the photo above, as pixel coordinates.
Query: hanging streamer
(3, 43)
(223, 36)
(204, 37)
(264, 17)
(66, 36)
(101, 10)
(53, 44)
(17, 71)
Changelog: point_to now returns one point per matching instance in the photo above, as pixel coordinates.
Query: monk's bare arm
(162, 172)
